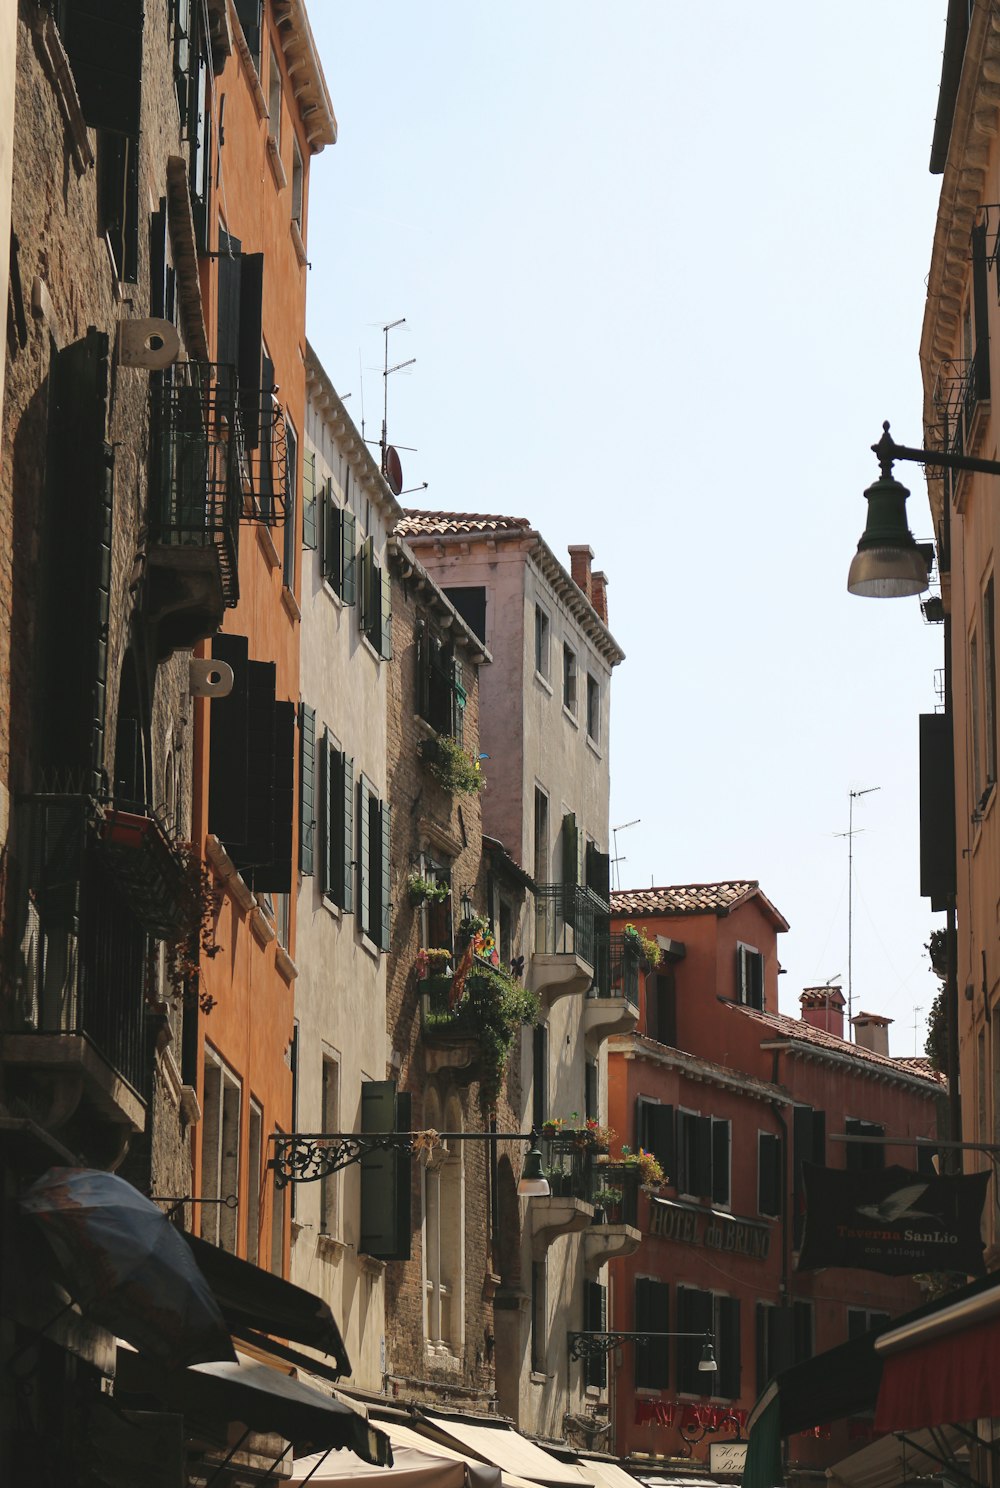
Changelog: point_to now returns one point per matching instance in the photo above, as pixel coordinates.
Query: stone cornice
(324, 398)
(638, 1046)
(921, 1084)
(305, 72)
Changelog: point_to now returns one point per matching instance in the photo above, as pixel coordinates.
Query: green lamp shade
(533, 1183)
(888, 563)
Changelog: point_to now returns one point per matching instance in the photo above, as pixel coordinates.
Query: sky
(663, 269)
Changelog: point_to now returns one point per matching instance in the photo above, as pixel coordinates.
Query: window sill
(274, 161)
(263, 929)
(594, 747)
(442, 1356)
(233, 881)
(332, 907)
(372, 1265)
(331, 1249)
(570, 716)
(298, 244)
(543, 681)
(535, 1378)
(367, 944)
(266, 544)
(331, 593)
(366, 645)
(291, 604)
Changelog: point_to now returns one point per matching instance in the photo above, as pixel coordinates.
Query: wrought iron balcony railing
(568, 1166)
(83, 961)
(614, 1189)
(616, 969)
(963, 384)
(569, 920)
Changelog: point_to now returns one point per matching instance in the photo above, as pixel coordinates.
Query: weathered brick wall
(65, 283)
(427, 816)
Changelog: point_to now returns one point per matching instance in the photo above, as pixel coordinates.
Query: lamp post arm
(587, 1345)
(307, 1157)
(887, 450)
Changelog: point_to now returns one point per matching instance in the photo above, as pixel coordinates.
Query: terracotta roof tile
(686, 899)
(443, 524)
(780, 1026)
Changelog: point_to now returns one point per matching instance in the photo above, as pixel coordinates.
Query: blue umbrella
(126, 1266)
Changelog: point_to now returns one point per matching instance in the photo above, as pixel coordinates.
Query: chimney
(581, 556)
(871, 1031)
(599, 584)
(823, 1007)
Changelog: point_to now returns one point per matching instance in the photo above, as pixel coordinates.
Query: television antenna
(850, 834)
(616, 859)
(391, 467)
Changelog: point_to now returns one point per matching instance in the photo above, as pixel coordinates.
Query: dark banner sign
(711, 1228)
(893, 1221)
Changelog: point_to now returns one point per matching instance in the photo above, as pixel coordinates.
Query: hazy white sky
(662, 267)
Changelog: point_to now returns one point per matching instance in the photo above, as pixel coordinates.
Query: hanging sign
(711, 1228)
(895, 1221)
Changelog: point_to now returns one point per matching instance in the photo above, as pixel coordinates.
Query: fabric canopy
(604, 1474)
(889, 1461)
(410, 1469)
(258, 1397)
(478, 1474)
(510, 1451)
(955, 1378)
(255, 1303)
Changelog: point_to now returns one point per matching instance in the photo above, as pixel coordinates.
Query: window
(749, 976)
(591, 1091)
(864, 1157)
(250, 14)
(702, 1161)
(436, 926)
(784, 1337)
(376, 601)
(329, 1191)
(373, 864)
(569, 679)
(470, 602)
(541, 857)
(337, 824)
(803, 1332)
(654, 1131)
(976, 740)
(595, 1320)
(254, 1156)
(539, 1317)
(661, 1007)
(539, 1075)
(441, 695)
(704, 1312)
(220, 1152)
(593, 709)
(298, 185)
(444, 1230)
(769, 1174)
(274, 97)
(541, 642)
(862, 1319)
(118, 200)
(310, 529)
(652, 1310)
(726, 1312)
(338, 543)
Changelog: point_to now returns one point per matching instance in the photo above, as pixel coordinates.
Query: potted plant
(451, 766)
(608, 1204)
(420, 889)
(433, 962)
(643, 947)
(651, 1174)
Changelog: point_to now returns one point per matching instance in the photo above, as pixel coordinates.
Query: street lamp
(889, 563)
(589, 1345)
(307, 1157)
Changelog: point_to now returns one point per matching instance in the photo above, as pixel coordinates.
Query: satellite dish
(392, 470)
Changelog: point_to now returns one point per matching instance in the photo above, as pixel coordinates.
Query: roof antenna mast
(391, 468)
(850, 835)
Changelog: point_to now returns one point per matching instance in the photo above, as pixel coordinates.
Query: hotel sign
(711, 1229)
(726, 1457)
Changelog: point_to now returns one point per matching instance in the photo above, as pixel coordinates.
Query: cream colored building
(545, 734)
(343, 907)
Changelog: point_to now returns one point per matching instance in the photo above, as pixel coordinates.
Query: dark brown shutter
(981, 313)
(347, 833)
(275, 877)
(729, 1349)
(249, 12)
(258, 848)
(721, 1141)
(103, 40)
(937, 810)
(250, 340)
(570, 849)
(599, 872)
(348, 556)
(228, 762)
(660, 1128)
(642, 1353)
(229, 315)
(703, 1156)
(309, 535)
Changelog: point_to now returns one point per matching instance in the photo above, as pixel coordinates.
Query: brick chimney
(871, 1031)
(599, 598)
(581, 556)
(823, 1007)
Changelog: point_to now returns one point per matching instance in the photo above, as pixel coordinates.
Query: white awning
(410, 1469)
(480, 1474)
(511, 1452)
(605, 1474)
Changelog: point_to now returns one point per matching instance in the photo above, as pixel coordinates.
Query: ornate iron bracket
(299, 1159)
(590, 1345)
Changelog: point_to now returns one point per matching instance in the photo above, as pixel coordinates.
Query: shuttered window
(721, 1143)
(103, 40)
(727, 1351)
(250, 14)
(338, 546)
(570, 849)
(652, 1311)
(749, 977)
(654, 1131)
(307, 787)
(385, 1175)
(598, 871)
(769, 1174)
(695, 1314)
(376, 600)
(309, 523)
(291, 537)
(337, 818)
(374, 908)
(864, 1157)
(118, 200)
(808, 1146)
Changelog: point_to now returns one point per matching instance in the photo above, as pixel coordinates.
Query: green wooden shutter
(386, 608)
(348, 557)
(309, 535)
(570, 849)
(332, 542)
(364, 856)
(103, 40)
(368, 580)
(347, 835)
(458, 697)
(330, 794)
(307, 786)
(386, 906)
(385, 1176)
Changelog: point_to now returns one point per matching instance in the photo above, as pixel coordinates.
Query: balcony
(451, 1039)
(569, 921)
(568, 1209)
(79, 1059)
(962, 398)
(612, 1004)
(196, 479)
(614, 1193)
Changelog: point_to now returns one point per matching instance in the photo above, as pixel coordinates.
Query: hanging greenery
(492, 1010)
(451, 766)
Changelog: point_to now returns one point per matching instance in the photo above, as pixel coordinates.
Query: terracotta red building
(733, 1097)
